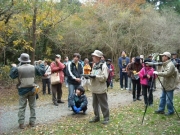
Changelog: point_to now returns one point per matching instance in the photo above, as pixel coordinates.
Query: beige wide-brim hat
(24, 58)
(168, 54)
(97, 53)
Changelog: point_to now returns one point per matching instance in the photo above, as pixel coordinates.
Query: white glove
(155, 72)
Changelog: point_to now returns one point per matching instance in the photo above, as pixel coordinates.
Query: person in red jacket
(111, 73)
(57, 66)
(146, 80)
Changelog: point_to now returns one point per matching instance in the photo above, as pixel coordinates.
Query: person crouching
(78, 101)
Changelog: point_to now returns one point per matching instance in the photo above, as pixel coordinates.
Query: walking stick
(168, 97)
(150, 89)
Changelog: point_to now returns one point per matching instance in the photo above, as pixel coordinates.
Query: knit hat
(137, 59)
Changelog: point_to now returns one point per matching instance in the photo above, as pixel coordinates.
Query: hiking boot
(105, 122)
(21, 126)
(32, 124)
(159, 112)
(139, 99)
(55, 103)
(61, 102)
(134, 99)
(94, 120)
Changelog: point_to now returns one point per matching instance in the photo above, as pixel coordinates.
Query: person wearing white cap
(25, 73)
(98, 87)
(168, 84)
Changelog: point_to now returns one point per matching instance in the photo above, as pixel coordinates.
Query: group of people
(98, 77)
(72, 72)
(142, 73)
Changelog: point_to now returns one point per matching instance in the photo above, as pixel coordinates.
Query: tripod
(150, 90)
(166, 95)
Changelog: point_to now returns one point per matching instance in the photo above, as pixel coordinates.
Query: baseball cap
(168, 54)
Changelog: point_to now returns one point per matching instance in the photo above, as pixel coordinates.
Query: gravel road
(46, 112)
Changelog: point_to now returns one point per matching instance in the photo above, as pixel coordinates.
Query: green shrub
(5, 79)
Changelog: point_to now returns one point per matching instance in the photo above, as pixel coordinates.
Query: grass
(124, 120)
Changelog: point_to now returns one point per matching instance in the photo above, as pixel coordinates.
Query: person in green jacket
(25, 72)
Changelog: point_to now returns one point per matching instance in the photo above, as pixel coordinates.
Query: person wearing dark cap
(123, 61)
(74, 74)
(78, 101)
(169, 84)
(57, 66)
(176, 61)
(134, 69)
(25, 73)
(111, 73)
(146, 80)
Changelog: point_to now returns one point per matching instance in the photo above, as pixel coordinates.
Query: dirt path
(46, 112)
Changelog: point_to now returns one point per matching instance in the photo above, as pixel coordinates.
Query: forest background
(44, 28)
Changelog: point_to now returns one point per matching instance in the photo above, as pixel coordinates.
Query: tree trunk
(34, 35)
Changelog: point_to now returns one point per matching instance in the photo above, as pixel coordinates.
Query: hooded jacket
(143, 75)
(78, 101)
(168, 74)
(98, 84)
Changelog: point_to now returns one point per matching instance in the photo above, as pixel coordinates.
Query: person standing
(74, 74)
(134, 68)
(111, 73)
(98, 87)
(146, 80)
(168, 83)
(129, 75)
(57, 66)
(123, 62)
(176, 61)
(25, 72)
(46, 78)
(65, 76)
(87, 71)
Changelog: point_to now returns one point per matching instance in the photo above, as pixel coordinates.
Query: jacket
(134, 67)
(39, 70)
(58, 67)
(123, 62)
(73, 72)
(143, 75)
(98, 84)
(111, 69)
(78, 101)
(87, 69)
(47, 71)
(168, 74)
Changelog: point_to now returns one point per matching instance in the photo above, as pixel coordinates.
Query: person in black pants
(134, 69)
(146, 79)
(46, 78)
